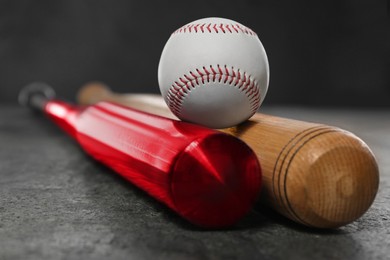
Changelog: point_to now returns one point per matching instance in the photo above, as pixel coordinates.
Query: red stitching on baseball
(208, 27)
(205, 70)
(196, 27)
(196, 78)
(182, 80)
(201, 27)
(227, 27)
(214, 27)
(187, 78)
(222, 28)
(220, 70)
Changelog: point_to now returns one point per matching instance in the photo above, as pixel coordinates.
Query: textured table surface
(57, 203)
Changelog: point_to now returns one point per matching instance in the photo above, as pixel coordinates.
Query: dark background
(325, 53)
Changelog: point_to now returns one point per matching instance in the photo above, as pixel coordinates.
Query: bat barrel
(210, 178)
(317, 175)
(323, 177)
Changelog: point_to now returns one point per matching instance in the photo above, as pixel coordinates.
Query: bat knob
(92, 92)
(35, 95)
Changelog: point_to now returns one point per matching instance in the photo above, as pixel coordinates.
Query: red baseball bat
(210, 178)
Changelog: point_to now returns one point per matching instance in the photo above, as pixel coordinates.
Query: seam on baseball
(214, 28)
(213, 73)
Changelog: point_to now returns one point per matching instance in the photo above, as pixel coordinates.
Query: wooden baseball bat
(317, 175)
(210, 178)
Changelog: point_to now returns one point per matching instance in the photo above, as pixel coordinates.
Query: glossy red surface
(64, 115)
(210, 178)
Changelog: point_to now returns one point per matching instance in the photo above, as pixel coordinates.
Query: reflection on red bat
(208, 177)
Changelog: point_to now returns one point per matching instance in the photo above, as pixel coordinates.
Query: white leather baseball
(213, 72)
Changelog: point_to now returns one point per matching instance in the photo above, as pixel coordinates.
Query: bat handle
(41, 97)
(36, 95)
(94, 92)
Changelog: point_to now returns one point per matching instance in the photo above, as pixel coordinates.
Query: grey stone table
(57, 203)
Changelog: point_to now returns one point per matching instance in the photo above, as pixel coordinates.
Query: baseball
(213, 72)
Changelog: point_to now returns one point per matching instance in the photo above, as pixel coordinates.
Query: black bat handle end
(35, 95)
